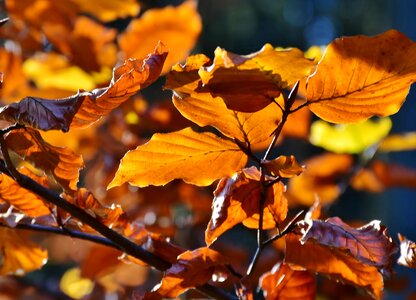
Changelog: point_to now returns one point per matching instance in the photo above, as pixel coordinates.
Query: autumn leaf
(407, 252)
(13, 78)
(192, 269)
(349, 138)
(250, 83)
(177, 27)
(20, 255)
(359, 77)
(282, 282)
(27, 202)
(197, 158)
(236, 200)
(109, 10)
(356, 256)
(398, 142)
(84, 108)
(283, 166)
(61, 163)
(199, 106)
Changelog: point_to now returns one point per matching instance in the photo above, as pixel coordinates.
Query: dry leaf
(407, 253)
(283, 166)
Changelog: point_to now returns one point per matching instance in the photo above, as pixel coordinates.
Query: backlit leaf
(13, 77)
(249, 83)
(19, 254)
(177, 27)
(357, 256)
(398, 142)
(407, 252)
(192, 269)
(283, 283)
(109, 10)
(236, 200)
(283, 166)
(84, 108)
(197, 158)
(359, 77)
(61, 163)
(75, 286)
(349, 138)
(27, 202)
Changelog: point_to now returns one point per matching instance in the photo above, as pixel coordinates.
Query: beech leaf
(359, 77)
(197, 158)
(61, 163)
(398, 142)
(407, 253)
(283, 166)
(282, 282)
(357, 256)
(236, 200)
(85, 108)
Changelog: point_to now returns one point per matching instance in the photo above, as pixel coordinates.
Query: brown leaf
(284, 283)
(198, 105)
(357, 256)
(236, 200)
(192, 269)
(197, 158)
(177, 27)
(26, 201)
(359, 77)
(407, 253)
(283, 166)
(61, 163)
(20, 255)
(250, 83)
(84, 108)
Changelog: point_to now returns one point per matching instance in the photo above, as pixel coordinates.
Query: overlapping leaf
(84, 108)
(192, 269)
(360, 77)
(197, 158)
(20, 255)
(407, 252)
(197, 104)
(61, 163)
(284, 283)
(26, 201)
(357, 256)
(283, 166)
(177, 27)
(236, 200)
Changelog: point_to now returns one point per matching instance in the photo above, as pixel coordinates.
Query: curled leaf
(284, 166)
(359, 77)
(407, 252)
(197, 158)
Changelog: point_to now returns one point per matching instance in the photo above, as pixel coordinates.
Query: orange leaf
(320, 179)
(196, 104)
(27, 202)
(357, 256)
(359, 77)
(398, 142)
(84, 108)
(236, 200)
(20, 255)
(61, 163)
(249, 83)
(109, 10)
(13, 77)
(177, 27)
(284, 283)
(192, 269)
(407, 253)
(197, 158)
(283, 166)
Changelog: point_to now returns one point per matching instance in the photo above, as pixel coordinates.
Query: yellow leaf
(73, 285)
(177, 27)
(398, 142)
(349, 138)
(197, 158)
(360, 77)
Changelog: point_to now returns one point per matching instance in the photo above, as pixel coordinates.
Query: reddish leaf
(407, 253)
(192, 269)
(20, 255)
(284, 283)
(236, 200)
(359, 77)
(61, 163)
(197, 158)
(84, 108)
(27, 202)
(357, 256)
